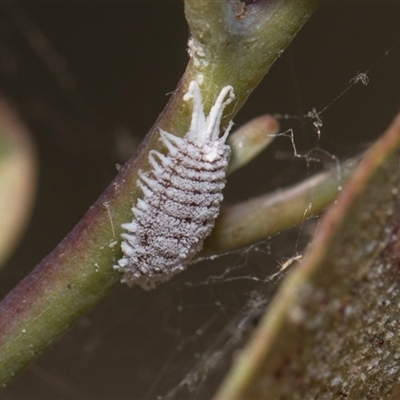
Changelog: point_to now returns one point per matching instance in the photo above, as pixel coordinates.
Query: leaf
(18, 172)
(332, 330)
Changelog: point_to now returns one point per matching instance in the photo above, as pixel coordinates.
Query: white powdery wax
(181, 197)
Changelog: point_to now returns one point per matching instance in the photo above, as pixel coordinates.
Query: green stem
(266, 215)
(250, 140)
(78, 273)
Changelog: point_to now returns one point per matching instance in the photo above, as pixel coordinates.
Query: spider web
(178, 341)
(276, 258)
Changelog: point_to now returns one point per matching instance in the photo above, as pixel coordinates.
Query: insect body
(181, 197)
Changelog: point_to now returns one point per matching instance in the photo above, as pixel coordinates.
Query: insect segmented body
(181, 197)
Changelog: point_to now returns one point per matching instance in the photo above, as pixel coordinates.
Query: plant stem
(239, 50)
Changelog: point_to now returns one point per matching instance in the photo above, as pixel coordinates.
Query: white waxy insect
(181, 197)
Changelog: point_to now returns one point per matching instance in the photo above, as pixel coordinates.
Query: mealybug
(181, 197)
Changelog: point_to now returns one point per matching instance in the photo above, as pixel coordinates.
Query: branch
(240, 43)
(268, 214)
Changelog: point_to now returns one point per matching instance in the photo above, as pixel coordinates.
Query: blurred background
(88, 79)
